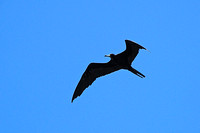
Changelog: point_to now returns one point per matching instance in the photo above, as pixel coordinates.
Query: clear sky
(46, 46)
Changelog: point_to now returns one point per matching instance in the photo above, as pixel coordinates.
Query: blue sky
(46, 45)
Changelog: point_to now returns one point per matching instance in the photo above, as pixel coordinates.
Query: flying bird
(120, 61)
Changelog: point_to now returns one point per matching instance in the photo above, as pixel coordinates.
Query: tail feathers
(136, 72)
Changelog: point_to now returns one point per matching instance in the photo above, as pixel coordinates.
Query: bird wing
(132, 49)
(93, 71)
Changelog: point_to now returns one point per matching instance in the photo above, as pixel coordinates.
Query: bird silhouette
(120, 61)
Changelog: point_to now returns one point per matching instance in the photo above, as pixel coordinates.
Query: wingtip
(138, 45)
(72, 100)
(148, 50)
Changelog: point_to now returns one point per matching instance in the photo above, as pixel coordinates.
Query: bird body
(120, 61)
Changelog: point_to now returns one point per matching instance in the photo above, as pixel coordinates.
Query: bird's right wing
(132, 49)
(93, 71)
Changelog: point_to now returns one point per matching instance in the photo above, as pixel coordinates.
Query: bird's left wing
(93, 71)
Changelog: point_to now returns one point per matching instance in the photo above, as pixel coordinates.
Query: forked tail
(136, 72)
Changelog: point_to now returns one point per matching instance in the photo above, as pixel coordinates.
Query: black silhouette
(117, 62)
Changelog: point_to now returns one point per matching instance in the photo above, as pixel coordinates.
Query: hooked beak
(107, 55)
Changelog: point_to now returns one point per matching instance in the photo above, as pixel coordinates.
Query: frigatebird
(120, 61)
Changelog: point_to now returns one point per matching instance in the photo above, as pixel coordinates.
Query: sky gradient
(46, 46)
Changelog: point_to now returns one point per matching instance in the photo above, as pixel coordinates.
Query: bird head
(110, 55)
